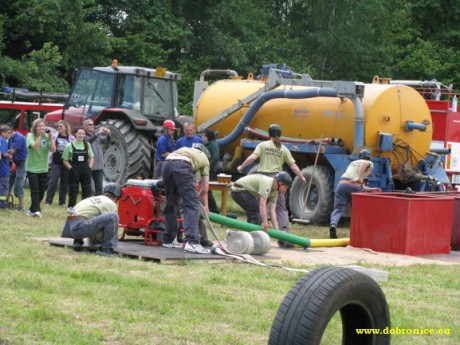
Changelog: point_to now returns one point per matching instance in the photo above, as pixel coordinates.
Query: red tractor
(132, 102)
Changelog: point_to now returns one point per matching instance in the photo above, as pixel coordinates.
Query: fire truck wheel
(127, 155)
(311, 303)
(320, 203)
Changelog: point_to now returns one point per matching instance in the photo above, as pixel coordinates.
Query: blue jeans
(342, 198)
(58, 173)
(18, 178)
(4, 191)
(105, 224)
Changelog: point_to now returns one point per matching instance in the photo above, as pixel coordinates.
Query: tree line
(43, 41)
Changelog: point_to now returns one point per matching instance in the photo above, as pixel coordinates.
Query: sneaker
(206, 243)
(30, 214)
(174, 244)
(106, 252)
(78, 245)
(196, 248)
(38, 214)
(47, 205)
(20, 209)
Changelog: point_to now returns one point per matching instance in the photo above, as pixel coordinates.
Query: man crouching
(97, 218)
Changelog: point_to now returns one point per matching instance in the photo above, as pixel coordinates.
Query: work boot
(332, 232)
(106, 252)
(78, 245)
(284, 244)
(206, 243)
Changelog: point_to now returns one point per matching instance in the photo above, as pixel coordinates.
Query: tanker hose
(217, 71)
(274, 94)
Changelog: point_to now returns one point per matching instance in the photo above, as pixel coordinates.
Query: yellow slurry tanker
(392, 120)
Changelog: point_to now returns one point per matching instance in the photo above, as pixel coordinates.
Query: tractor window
(158, 98)
(102, 96)
(129, 92)
(93, 90)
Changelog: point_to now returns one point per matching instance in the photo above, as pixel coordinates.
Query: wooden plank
(137, 249)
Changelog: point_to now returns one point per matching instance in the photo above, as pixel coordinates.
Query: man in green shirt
(253, 192)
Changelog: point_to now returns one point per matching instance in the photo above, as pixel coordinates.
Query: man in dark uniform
(178, 175)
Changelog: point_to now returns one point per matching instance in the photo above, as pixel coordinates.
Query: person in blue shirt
(165, 145)
(18, 148)
(5, 132)
(189, 137)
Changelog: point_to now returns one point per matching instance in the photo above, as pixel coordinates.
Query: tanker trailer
(393, 121)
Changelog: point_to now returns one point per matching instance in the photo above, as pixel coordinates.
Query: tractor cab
(150, 93)
(132, 102)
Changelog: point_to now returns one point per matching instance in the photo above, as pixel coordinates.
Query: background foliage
(43, 41)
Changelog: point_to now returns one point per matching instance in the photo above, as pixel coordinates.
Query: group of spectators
(47, 159)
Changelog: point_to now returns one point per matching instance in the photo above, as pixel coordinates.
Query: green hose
(279, 235)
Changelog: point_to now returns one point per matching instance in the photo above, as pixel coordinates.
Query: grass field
(52, 295)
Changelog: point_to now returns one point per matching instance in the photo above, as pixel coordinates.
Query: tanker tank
(387, 109)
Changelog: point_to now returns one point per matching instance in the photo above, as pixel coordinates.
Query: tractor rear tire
(128, 153)
(311, 303)
(321, 200)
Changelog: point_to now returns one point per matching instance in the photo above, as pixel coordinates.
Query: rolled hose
(280, 235)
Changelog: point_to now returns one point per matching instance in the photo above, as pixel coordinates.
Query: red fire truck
(25, 107)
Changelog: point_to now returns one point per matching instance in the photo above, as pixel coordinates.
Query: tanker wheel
(320, 203)
(313, 301)
(128, 153)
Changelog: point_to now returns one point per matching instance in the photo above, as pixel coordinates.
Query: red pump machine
(141, 211)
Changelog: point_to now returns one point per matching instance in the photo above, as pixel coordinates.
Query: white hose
(220, 249)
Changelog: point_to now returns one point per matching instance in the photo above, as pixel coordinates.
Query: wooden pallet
(137, 249)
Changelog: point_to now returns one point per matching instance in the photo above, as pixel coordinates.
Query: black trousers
(179, 180)
(79, 174)
(250, 204)
(37, 185)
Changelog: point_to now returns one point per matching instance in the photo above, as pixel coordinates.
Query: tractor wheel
(313, 301)
(128, 153)
(320, 203)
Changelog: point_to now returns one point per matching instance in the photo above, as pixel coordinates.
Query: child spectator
(18, 148)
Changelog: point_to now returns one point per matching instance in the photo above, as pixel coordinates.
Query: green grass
(52, 295)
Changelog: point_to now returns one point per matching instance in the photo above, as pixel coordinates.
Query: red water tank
(401, 223)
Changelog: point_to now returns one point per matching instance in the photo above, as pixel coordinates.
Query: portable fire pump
(141, 211)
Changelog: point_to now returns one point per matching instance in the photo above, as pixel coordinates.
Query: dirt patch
(350, 255)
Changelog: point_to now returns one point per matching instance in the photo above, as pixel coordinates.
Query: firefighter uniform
(179, 178)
